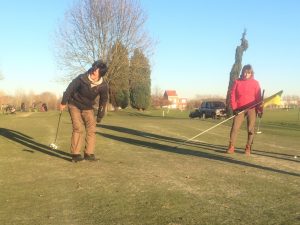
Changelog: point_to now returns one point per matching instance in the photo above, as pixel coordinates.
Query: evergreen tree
(119, 79)
(140, 82)
(121, 98)
(140, 96)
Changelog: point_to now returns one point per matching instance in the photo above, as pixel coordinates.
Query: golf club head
(53, 146)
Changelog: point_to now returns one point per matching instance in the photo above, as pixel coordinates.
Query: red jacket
(245, 93)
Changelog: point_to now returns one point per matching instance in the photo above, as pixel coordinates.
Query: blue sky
(196, 42)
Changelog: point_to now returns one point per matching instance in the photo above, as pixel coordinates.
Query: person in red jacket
(245, 95)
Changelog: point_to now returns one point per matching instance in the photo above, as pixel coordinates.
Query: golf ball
(295, 157)
(53, 146)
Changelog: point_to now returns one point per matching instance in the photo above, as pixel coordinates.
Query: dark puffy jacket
(82, 95)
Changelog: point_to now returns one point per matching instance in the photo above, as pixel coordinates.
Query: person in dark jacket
(80, 96)
(245, 93)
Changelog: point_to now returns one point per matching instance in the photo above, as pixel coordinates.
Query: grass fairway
(142, 179)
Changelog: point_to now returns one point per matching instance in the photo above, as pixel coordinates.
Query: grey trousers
(83, 122)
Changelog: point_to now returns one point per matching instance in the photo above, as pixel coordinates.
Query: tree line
(33, 101)
(23, 101)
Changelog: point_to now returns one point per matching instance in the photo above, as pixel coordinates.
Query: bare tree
(49, 99)
(19, 97)
(92, 27)
(236, 69)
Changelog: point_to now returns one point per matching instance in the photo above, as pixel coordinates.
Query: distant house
(172, 97)
(182, 103)
(174, 101)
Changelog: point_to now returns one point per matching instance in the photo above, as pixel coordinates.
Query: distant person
(44, 107)
(23, 107)
(10, 109)
(245, 93)
(2, 108)
(80, 96)
(33, 107)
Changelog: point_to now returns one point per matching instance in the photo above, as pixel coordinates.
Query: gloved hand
(235, 112)
(62, 107)
(259, 111)
(259, 114)
(99, 119)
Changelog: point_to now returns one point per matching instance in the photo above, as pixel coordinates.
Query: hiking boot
(90, 157)
(248, 150)
(76, 158)
(230, 149)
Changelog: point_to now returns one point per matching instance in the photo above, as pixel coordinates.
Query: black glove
(236, 112)
(259, 111)
(99, 119)
(259, 114)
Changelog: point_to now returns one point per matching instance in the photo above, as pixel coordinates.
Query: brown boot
(230, 149)
(248, 150)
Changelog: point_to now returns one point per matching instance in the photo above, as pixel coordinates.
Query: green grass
(142, 179)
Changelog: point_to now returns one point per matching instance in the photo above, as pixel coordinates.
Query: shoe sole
(76, 161)
(92, 160)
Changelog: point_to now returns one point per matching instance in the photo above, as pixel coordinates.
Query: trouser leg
(90, 125)
(251, 118)
(77, 133)
(236, 124)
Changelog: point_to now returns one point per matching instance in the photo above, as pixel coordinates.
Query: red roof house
(172, 97)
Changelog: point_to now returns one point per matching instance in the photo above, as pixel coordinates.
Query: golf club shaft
(57, 127)
(260, 102)
(259, 119)
(208, 130)
(258, 125)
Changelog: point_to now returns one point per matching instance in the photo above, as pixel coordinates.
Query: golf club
(209, 129)
(53, 145)
(259, 119)
(258, 131)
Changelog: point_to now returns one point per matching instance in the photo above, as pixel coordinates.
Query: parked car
(210, 109)
(195, 114)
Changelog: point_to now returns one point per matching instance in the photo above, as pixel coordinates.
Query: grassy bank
(142, 179)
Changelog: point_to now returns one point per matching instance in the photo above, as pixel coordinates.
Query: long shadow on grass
(28, 142)
(181, 150)
(275, 155)
(178, 141)
(285, 126)
(175, 141)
